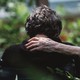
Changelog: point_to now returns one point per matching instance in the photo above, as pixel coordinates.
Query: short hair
(44, 21)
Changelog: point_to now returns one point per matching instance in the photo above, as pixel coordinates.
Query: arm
(6, 72)
(48, 45)
(66, 49)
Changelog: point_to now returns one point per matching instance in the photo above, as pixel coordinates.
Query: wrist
(55, 46)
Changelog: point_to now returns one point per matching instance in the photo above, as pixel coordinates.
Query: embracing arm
(48, 45)
(66, 49)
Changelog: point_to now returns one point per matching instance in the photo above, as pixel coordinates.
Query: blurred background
(13, 14)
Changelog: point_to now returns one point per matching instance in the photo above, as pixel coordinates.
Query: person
(39, 65)
(49, 45)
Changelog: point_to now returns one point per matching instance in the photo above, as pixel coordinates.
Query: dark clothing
(34, 65)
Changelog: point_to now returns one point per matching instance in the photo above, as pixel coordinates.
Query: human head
(44, 21)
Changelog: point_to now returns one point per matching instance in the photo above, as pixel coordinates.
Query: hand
(41, 44)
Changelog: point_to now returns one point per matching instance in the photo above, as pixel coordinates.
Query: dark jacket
(34, 65)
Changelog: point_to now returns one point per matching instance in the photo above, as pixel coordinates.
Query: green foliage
(31, 2)
(12, 30)
(3, 2)
(71, 25)
(72, 30)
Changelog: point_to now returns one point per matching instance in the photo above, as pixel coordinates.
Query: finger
(33, 39)
(32, 46)
(30, 43)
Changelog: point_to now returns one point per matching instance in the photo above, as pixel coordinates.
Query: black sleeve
(6, 73)
(67, 43)
(76, 60)
(7, 55)
(11, 55)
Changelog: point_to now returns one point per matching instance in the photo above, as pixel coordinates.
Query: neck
(41, 35)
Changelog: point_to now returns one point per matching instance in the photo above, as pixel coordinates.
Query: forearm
(48, 45)
(67, 49)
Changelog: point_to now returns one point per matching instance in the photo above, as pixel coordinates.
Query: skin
(42, 43)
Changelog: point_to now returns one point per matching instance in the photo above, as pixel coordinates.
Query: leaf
(2, 40)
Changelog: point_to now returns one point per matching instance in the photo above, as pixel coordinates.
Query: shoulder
(16, 48)
(12, 48)
(68, 43)
(11, 51)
